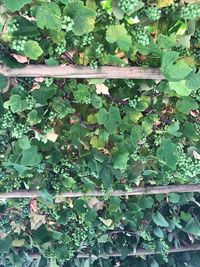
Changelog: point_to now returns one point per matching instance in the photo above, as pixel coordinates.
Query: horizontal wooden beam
(142, 252)
(150, 190)
(105, 72)
(139, 252)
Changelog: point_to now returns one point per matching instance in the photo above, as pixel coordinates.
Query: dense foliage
(83, 134)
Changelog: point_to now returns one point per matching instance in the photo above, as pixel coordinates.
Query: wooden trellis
(105, 72)
(149, 190)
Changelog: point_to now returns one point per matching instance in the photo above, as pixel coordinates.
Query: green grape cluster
(7, 121)
(27, 81)
(196, 95)
(183, 51)
(196, 37)
(41, 168)
(141, 35)
(130, 83)
(190, 11)
(30, 100)
(128, 6)
(48, 81)
(12, 26)
(19, 130)
(25, 212)
(94, 64)
(52, 115)
(172, 8)
(86, 39)
(196, 53)
(18, 44)
(188, 167)
(67, 23)
(60, 49)
(153, 12)
(100, 49)
(133, 102)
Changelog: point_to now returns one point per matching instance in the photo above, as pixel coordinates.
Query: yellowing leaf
(20, 59)
(95, 203)
(107, 222)
(102, 89)
(164, 3)
(52, 136)
(36, 220)
(18, 243)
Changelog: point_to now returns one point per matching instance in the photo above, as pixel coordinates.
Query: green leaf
(44, 93)
(110, 119)
(190, 132)
(31, 157)
(118, 34)
(16, 104)
(180, 88)
(118, 13)
(120, 160)
(193, 227)
(146, 202)
(174, 71)
(16, 5)
(83, 17)
(173, 129)
(159, 219)
(174, 198)
(46, 196)
(167, 154)
(106, 176)
(5, 245)
(33, 117)
(186, 105)
(49, 16)
(32, 50)
(193, 81)
(3, 81)
(158, 232)
(24, 143)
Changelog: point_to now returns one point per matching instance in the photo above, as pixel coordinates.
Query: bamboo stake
(105, 72)
(150, 190)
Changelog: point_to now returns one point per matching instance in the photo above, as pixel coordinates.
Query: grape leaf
(118, 34)
(16, 104)
(109, 119)
(3, 81)
(16, 5)
(186, 105)
(167, 154)
(120, 160)
(31, 157)
(49, 15)
(32, 50)
(193, 227)
(83, 17)
(180, 88)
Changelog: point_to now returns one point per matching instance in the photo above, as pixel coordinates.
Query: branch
(104, 72)
(150, 190)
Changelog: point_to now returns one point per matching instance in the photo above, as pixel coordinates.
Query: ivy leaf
(31, 157)
(16, 104)
(120, 160)
(193, 227)
(167, 154)
(186, 105)
(83, 17)
(159, 219)
(16, 5)
(180, 88)
(118, 34)
(49, 16)
(32, 50)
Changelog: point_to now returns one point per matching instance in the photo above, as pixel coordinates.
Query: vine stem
(150, 190)
(139, 252)
(63, 71)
